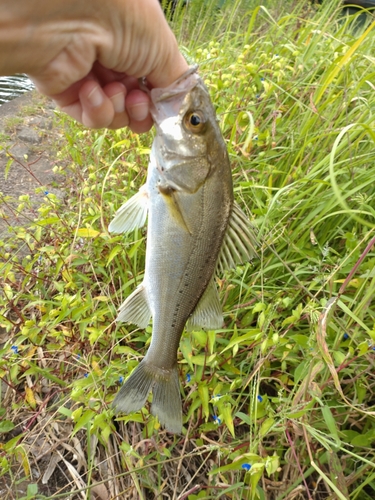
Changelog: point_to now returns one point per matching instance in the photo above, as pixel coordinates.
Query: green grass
(288, 386)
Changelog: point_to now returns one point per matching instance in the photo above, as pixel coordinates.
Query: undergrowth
(280, 402)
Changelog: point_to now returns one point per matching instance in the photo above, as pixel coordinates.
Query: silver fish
(194, 229)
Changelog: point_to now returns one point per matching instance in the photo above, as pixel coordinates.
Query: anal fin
(135, 309)
(207, 313)
(132, 214)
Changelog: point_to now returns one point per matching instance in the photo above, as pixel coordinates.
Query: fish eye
(195, 121)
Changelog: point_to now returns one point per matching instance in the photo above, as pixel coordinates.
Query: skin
(88, 54)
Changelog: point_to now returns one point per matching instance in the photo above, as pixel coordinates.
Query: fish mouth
(169, 93)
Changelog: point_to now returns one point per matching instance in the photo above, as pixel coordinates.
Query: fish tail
(133, 394)
(166, 403)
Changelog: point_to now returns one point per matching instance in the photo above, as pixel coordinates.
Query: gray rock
(19, 151)
(29, 135)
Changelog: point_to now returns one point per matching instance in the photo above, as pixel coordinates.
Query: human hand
(88, 55)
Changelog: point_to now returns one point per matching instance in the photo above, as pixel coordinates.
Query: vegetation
(280, 403)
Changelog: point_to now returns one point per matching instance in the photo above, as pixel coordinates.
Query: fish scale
(194, 228)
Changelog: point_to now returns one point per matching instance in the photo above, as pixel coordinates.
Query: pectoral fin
(135, 309)
(208, 313)
(132, 214)
(239, 244)
(170, 197)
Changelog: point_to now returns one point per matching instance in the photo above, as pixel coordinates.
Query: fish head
(187, 132)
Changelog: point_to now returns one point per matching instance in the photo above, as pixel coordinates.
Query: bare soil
(27, 141)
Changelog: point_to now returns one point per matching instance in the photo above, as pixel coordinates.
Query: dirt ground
(26, 136)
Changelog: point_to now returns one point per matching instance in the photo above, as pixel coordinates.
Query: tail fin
(166, 404)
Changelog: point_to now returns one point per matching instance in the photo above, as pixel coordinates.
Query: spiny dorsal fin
(132, 214)
(135, 309)
(207, 313)
(239, 244)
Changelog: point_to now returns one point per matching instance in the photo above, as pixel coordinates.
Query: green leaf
(301, 370)
(260, 306)
(301, 340)
(86, 417)
(256, 473)
(254, 334)
(226, 411)
(331, 424)
(6, 426)
(245, 418)
(87, 232)
(45, 372)
(65, 411)
(266, 426)
(204, 397)
(272, 464)
(187, 351)
(32, 490)
(246, 458)
(364, 440)
(115, 251)
(201, 337)
(133, 249)
(211, 340)
(199, 360)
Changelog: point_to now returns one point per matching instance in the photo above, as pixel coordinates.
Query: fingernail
(95, 97)
(139, 111)
(118, 101)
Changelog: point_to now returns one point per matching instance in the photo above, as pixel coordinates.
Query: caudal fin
(166, 404)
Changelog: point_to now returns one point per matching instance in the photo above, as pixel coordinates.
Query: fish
(195, 230)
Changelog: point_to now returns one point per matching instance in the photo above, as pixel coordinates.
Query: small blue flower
(257, 96)
(121, 379)
(86, 375)
(78, 356)
(216, 419)
(188, 377)
(373, 347)
(259, 398)
(345, 336)
(262, 79)
(14, 348)
(247, 467)
(46, 192)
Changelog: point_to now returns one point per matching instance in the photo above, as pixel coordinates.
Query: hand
(88, 54)
(106, 98)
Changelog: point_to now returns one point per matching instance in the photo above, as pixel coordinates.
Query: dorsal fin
(239, 243)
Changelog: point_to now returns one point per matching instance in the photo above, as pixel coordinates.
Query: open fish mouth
(168, 93)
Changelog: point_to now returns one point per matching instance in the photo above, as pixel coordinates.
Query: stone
(19, 151)
(29, 135)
